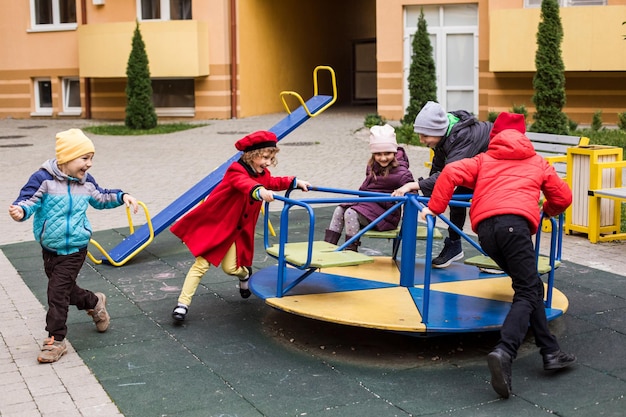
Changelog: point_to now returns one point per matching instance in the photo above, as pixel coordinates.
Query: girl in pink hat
(387, 170)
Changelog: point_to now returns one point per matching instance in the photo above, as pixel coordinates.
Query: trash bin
(583, 175)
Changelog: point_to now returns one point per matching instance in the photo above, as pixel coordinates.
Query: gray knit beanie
(431, 120)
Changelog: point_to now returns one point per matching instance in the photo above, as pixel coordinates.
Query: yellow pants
(201, 266)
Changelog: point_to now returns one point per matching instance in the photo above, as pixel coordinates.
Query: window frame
(39, 109)
(56, 24)
(566, 3)
(164, 11)
(66, 90)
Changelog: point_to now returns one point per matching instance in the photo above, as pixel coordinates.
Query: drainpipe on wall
(233, 59)
(83, 6)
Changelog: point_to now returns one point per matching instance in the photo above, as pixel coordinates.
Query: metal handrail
(132, 230)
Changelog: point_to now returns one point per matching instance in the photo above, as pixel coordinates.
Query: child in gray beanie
(452, 136)
(432, 120)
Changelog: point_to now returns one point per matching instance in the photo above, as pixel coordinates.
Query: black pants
(507, 240)
(62, 271)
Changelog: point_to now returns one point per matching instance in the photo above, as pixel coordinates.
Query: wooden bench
(554, 148)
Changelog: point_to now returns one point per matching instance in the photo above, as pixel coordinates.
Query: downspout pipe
(233, 59)
(83, 21)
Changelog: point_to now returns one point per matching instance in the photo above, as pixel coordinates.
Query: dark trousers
(62, 271)
(507, 240)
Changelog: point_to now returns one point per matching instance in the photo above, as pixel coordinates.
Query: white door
(453, 31)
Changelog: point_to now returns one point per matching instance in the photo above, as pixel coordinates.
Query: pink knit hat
(383, 139)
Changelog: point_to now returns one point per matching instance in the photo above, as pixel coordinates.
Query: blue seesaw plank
(203, 188)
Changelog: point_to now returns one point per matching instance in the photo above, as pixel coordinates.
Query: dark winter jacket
(396, 178)
(466, 138)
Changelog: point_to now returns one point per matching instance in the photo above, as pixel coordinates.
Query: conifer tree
(140, 112)
(422, 74)
(549, 78)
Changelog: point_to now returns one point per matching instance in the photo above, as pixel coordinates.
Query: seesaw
(399, 293)
(140, 238)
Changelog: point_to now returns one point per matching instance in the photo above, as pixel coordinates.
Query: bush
(607, 137)
(406, 134)
(374, 120)
(621, 120)
(596, 121)
(521, 109)
(572, 125)
(492, 116)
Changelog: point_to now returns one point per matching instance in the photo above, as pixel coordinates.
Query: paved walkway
(329, 150)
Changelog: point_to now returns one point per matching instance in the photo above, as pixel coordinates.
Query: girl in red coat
(387, 169)
(507, 181)
(221, 230)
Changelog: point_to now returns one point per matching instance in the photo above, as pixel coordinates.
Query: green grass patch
(122, 130)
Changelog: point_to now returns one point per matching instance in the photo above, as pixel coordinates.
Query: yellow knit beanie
(72, 144)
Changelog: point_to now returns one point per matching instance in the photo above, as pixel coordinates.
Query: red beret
(508, 121)
(257, 140)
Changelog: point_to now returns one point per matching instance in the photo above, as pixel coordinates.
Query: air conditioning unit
(98, 2)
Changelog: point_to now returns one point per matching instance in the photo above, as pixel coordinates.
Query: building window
(71, 96)
(174, 97)
(567, 3)
(53, 14)
(43, 96)
(164, 9)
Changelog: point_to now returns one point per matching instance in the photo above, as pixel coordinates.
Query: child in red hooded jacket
(221, 230)
(507, 181)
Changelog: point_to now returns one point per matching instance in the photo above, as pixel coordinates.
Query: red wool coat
(228, 215)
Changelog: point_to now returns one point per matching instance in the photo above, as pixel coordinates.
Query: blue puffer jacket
(59, 204)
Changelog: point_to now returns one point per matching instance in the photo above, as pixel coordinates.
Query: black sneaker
(245, 292)
(452, 251)
(558, 360)
(180, 312)
(499, 363)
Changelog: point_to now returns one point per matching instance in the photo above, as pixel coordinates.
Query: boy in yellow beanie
(57, 196)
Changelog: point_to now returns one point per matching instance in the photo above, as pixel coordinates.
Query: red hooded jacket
(507, 179)
(229, 215)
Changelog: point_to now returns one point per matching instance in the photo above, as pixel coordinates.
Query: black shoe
(558, 360)
(499, 363)
(245, 292)
(452, 251)
(179, 313)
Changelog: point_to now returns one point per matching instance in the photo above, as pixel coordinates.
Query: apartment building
(216, 59)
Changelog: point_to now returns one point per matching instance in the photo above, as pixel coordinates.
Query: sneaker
(244, 291)
(52, 350)
(493, 271)
(558, 360)
(99, 313)
(180, 312)
(499, 363)
(452, 251)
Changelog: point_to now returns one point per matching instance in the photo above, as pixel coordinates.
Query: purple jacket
(398, 176)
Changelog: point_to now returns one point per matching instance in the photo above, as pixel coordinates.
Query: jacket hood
(53, 168)
(510, 144)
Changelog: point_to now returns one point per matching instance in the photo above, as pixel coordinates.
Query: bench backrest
(554, 147)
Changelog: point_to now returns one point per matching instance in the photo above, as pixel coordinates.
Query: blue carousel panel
(263, 283)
